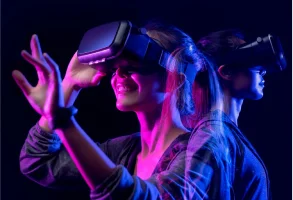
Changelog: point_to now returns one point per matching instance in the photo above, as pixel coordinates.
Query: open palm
(47, 96)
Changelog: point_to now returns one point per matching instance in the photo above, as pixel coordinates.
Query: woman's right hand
(82, 75)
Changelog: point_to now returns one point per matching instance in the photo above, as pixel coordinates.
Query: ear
(225, 73)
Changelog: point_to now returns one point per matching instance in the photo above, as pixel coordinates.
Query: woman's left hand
(47, 96)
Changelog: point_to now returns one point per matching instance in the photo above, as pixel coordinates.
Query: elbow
(36, 173)
(25, 166)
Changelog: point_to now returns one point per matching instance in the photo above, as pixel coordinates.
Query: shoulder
(214, 137)
(213, 133)
(216, 127)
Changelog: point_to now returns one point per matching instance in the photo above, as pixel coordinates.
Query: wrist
(68, 84)
(70, 91)
(44, 125)
(62, 118)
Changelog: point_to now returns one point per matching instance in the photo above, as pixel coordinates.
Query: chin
(256, 96)
(126, 103)
(125, 106)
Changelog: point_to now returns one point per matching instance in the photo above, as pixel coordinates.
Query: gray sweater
(208, 167)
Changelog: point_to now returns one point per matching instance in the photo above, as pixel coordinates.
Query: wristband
(62, 117)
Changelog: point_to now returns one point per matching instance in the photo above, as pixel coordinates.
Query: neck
(158, 128)
(231, 106)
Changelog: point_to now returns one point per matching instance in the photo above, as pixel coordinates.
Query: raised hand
(82, 75)
(47, 95)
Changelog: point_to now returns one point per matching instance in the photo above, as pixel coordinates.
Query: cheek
(258, 78)
(248, 86)
(113, 82)
(149, 87)
(247, 80)
(255, 80)
(144, 83)
(242, 82)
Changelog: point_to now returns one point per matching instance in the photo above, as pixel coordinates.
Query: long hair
(208, 90)
(182, 49)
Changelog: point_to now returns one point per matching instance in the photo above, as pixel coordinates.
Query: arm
(44, 160)
(169, 183)
(93, 164)
(43, 157)
(194, 173)
(70, 91)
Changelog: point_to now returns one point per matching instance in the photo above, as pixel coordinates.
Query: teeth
(123, 89)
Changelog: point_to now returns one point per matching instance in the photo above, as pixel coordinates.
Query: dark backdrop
(60, 26)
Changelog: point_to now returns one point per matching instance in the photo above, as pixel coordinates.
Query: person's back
(235, 170)
(240, 172)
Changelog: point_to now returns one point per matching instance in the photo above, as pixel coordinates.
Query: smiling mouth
(124, 89)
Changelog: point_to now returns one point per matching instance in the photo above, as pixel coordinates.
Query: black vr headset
(266, 52)
(108, 41)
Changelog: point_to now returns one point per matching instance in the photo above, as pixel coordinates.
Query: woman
(117, 168)
(219, 156)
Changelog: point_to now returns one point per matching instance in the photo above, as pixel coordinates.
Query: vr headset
(266, 51)
(111, 40)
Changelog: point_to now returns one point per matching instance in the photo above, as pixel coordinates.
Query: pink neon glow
(97, 61)
(99, 56)
(155, 129)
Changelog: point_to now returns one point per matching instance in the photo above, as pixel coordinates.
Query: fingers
(56, 97)
(22, 82)
(54, 67)
(36, 47)
(97, 78)
(40, 66)
(74, 62)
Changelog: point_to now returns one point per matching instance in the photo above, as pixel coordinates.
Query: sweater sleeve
(44, 160)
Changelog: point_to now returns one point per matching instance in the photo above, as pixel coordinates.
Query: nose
(263, 72)
(121, 73)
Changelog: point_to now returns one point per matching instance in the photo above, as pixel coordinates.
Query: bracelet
(62, 117)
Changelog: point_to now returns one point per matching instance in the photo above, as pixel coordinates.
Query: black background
(60, 26)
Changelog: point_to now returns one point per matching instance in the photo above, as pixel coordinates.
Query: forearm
(45, 161)
(90, 160)
(70, 94)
